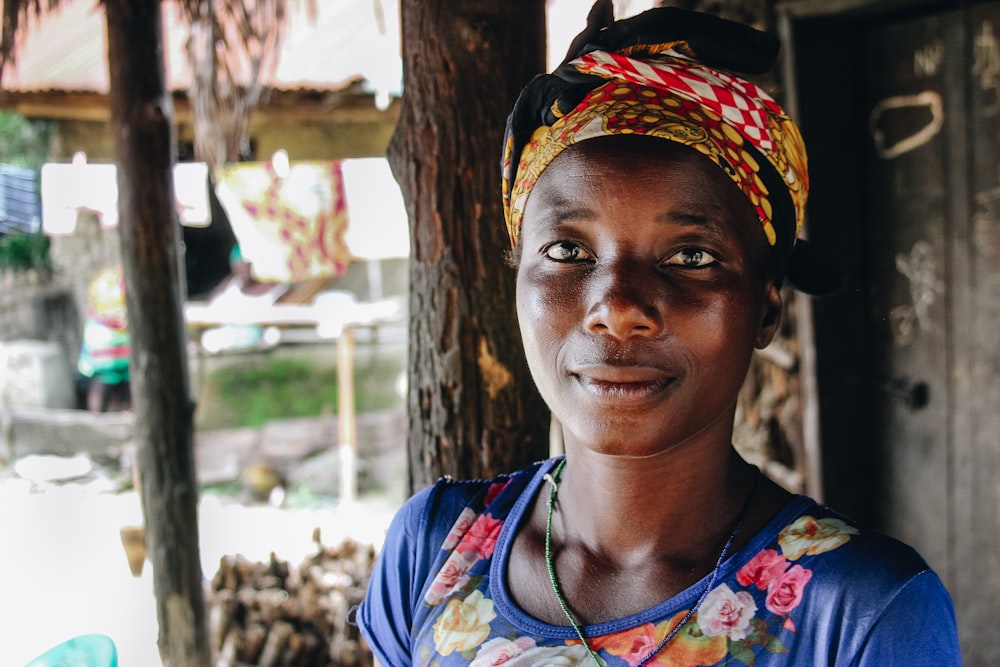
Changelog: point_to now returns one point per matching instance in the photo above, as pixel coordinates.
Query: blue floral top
(810, 588)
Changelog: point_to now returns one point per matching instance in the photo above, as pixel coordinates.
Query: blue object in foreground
(82, 651)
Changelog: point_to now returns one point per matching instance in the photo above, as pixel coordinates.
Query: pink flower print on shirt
(459, 529)
(762, 569)
(631, 645)
(785, 591)
(724, 612)
(500, 650)
(494, 491)
(811, 536)
(481, 536)
(452, 576)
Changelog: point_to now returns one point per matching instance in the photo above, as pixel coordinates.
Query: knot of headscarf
(665, 73)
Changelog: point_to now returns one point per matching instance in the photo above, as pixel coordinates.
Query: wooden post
(345, 417)
(141, 116)
(6, 426)
(473, 409)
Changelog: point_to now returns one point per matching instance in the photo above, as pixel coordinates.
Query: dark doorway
(901, 111)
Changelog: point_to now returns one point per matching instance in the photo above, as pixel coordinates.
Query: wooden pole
(473, 409)
(808, 373)
(6, 426)
(345, 417)
(141, 115)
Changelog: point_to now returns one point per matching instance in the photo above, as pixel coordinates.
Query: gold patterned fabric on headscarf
(727, 119)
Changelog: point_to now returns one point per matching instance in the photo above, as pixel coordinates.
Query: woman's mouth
(623, 384)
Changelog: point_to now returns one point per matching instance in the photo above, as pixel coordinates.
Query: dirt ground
(63, 566)
(65, 571)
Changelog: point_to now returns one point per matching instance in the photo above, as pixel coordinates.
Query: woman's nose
(622, 304)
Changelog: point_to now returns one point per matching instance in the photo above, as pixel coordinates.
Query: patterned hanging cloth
(290, 227)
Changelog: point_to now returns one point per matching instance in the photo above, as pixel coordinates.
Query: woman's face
(641, 294)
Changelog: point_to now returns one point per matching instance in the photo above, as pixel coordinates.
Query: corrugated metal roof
(19, 205)
(346, 40)
(64, 50)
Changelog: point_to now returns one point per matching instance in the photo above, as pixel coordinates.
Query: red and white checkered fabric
(741, 103)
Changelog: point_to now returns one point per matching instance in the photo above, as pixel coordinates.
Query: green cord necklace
(553, 480)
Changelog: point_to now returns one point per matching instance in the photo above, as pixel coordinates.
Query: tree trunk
(208, 120)
(141, 114)
(473, 408)
(228, 84)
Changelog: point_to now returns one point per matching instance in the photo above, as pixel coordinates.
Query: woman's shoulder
(823, 584)
(813, 549)
(816, 529)
(437, 507)
(466, 492)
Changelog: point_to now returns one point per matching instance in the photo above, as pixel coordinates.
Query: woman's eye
(692, 258)
(566, 251)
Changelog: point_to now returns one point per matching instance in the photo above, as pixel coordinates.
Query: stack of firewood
(275, 615)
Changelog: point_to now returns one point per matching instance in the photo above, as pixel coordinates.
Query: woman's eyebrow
(561, 210)
(572, 213)
(697, 220)
(684, 218)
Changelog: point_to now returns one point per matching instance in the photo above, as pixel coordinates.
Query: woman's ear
(770, 315)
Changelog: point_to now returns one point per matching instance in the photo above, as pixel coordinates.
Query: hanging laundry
(290, 226)
(68, 188)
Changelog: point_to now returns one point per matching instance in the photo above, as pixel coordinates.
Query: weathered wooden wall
(905, 138)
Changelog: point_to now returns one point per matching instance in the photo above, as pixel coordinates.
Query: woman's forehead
(643, 167)
(640, 177)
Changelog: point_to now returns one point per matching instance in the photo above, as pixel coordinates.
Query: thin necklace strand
(551, 566)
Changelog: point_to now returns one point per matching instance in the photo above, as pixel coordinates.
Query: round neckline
(506, 606)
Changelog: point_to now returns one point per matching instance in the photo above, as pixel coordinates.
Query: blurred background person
(103, 364)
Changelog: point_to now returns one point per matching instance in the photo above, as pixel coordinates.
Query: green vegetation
(23, 142)
(25, 251)
(268, 387)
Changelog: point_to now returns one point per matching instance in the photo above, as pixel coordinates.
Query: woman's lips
(622, 384)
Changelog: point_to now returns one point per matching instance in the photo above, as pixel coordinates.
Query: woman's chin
(617, 437)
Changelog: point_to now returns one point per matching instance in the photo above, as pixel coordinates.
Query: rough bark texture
(474, 410)
(141, 115)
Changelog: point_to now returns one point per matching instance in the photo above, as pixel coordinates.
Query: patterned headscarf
(668, 73)
(106, 299)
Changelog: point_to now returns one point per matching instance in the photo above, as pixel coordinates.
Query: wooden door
(901, 114)
(913, 75)
(976, 369)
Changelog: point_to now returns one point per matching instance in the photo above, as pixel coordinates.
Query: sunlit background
(267, 356)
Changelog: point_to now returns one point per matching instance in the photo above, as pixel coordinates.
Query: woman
(653, 201)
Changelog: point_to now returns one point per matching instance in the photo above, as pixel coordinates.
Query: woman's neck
(630, 509)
